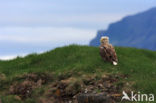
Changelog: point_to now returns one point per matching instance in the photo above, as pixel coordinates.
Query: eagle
(107, 51)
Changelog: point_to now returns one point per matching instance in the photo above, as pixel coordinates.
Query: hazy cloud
(45, 34)
(36, 25)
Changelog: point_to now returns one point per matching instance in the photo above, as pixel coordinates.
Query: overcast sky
(28, 26)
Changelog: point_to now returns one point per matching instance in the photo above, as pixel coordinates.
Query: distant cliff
(134, 31)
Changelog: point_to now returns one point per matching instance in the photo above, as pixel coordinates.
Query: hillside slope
(133, 31)
(138, 64)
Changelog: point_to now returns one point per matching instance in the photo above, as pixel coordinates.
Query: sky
(29, 26)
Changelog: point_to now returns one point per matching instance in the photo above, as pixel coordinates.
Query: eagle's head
(104, 39)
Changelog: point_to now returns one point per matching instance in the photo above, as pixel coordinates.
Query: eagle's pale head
(104, 39)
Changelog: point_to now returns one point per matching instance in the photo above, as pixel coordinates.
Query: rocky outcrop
(94, 98)
(132, 31)
(67, 88)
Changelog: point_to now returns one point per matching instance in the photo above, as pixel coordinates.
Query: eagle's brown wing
(113, 54)
(103, 53)
(108, 53)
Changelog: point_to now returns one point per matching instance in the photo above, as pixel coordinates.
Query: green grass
(139, 64)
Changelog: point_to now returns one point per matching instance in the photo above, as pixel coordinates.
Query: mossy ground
(138, 64)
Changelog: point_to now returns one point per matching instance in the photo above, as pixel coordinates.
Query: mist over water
(20, 41)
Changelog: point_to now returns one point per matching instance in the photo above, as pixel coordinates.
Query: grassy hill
(139, 66)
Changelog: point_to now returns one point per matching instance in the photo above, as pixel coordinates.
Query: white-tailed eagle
(107, 51)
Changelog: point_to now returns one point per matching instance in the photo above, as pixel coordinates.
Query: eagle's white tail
(115, 63)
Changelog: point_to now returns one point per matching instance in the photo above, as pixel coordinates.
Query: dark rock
(23, 89)
(94, 98)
